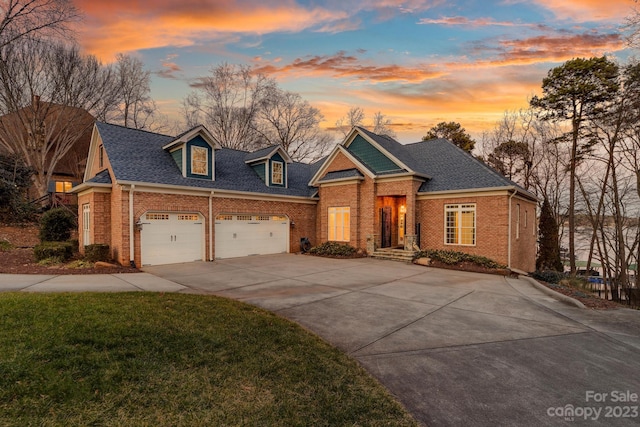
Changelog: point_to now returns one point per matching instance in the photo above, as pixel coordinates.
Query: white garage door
(168, 238)
(242, 235)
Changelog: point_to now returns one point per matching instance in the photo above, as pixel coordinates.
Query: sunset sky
(419, 62)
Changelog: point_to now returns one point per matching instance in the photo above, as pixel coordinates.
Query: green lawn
(171, 359)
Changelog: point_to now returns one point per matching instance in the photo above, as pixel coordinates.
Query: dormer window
(277, 173)
(194, 153)
(199, 157)
(270, 164)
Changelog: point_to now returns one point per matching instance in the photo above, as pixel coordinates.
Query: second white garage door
(243, 235)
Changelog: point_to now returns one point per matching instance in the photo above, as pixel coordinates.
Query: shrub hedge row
(62, 251)
(453, 258)
(333, 249)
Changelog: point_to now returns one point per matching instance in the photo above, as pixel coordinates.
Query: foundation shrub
(334, 249)
(454, 258)
(97, 252)
(62, 251)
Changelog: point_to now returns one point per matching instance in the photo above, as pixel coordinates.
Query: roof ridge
(133, 129)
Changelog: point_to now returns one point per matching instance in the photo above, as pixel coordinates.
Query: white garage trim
(243, 234)
(171, 237)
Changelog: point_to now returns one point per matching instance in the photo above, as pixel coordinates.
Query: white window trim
(86, 224)
(339, 210)
(206, 162)
(458, 209)
(273, 181)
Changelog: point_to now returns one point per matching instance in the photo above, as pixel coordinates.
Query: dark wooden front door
(385, 225)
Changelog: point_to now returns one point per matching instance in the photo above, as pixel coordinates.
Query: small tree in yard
(15, 179)
(56, 225)
(549, 249)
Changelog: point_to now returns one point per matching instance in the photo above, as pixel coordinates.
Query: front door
(385, 223)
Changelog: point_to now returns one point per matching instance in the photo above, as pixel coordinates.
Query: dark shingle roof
(101, 177)
(451, 168)
(259, 154)
(137, 156)
(347, 173)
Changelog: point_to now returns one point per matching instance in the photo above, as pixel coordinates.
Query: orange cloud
(589, 10)
(476, 100)
(148, 23)
(551, 49)
(478, 22)
(342, 65)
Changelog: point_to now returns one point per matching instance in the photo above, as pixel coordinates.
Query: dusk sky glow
(419, 62)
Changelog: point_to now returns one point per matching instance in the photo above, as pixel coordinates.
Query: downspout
(131, 228)
(211, 226)
(509, 242)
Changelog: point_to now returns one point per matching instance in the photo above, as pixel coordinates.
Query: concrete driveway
(455, 348)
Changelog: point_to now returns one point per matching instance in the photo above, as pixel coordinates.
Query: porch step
(393, 254)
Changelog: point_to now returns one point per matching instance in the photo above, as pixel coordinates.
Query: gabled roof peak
(192, 133)
(266, 153)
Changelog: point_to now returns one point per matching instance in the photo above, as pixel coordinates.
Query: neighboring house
(26, 132)
(158, 199)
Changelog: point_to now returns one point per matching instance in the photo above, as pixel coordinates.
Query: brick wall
(99, 217)
(358, 196)
(492, 229)
(365, 199)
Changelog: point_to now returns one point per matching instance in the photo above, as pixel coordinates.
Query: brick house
(157, 199)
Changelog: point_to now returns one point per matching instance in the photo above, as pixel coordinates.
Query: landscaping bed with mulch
(16, 256)
(472, 267)
(589, 300)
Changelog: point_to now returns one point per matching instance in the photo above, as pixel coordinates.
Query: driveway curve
(455, 348)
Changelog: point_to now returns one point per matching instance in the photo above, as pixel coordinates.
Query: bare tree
(20, 18)
(137, 109)
(49, 94)
(287, 119)
(381, 125)
(354, 117)
(524, 148)
(633, 26)
(228, 102)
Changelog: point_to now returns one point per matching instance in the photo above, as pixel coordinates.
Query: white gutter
(131, 227)
(211, 226)
(203, 191)
(509, 242)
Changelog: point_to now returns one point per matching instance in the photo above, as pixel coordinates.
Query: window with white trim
(339, 224)
(86, 224)
(277, 173)
(460, 224)
(199, 164)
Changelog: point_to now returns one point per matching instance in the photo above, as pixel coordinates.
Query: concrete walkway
(456, 348)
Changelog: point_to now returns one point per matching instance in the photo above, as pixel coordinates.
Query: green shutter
(259, 168)
(177, 157)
